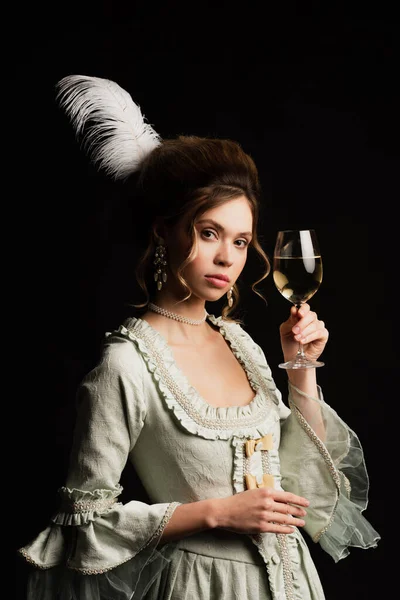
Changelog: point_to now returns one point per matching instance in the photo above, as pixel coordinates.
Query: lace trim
(287, 569)
(158, 532)
(248, 360)
(347, 484)
(83, 571)
(217, 423)
(331, 467)
(167, 515)
(286, 566)
(322, 449)
(31, 561)
(80, 507)
(282, 541)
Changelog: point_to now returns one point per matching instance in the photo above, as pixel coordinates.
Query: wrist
(215, 513)
(304, 379)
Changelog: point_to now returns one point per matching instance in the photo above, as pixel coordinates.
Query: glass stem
(300, 351)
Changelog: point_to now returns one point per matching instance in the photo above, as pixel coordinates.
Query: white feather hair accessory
(113, 130)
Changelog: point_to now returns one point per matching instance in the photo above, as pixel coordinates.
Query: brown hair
(185, 177)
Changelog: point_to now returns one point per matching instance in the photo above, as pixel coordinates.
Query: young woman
(231, 471)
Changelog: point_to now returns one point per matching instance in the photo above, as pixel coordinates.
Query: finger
(276, 517)
(309, 334)
(297, 314)
(276, 528)
(290, 509)
(308, 320)
(313, 333)
(313, 337)
(293, 317)
(303, 310)
(309, 326)
(289, 498)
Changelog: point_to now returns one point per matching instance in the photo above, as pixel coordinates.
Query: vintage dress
(137, 405)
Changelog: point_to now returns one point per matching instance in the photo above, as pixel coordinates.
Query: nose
(224, 256)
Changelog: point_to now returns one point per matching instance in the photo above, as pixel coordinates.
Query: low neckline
(225, 334)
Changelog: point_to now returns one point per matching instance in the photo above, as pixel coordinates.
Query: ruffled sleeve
(321, 458)
(92, 532)
(330, 472)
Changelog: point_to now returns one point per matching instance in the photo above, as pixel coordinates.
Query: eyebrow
(219, 227)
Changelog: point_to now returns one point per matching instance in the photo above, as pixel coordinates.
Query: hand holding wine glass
(297, 274)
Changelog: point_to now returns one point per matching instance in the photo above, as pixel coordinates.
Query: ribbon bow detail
(255, 478)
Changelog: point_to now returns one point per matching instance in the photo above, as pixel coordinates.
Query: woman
(231, 471)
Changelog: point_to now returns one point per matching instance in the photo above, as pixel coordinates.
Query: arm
(254, 511)
(303, 392)
(102, 533)
(321, 457)
(303, 326)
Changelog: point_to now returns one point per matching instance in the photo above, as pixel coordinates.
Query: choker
(171, 315)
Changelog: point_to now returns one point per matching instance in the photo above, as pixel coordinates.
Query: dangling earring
(230, 297)
(160, 274)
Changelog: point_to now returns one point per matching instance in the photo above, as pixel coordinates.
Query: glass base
(301, 363)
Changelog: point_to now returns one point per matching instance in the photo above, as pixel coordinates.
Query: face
(223, 235)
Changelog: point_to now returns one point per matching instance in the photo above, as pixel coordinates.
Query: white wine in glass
(297, 274)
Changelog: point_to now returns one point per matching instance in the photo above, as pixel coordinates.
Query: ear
(159, 231)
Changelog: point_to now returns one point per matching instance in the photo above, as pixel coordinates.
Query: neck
(176, 316)
(194, 308)
(177, 332)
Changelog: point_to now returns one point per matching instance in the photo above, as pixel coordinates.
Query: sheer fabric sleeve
(330, 472)
(93, 533)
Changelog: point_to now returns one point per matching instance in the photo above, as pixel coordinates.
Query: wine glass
(297, 274)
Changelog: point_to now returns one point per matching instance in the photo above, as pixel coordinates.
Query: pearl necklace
(171, 315)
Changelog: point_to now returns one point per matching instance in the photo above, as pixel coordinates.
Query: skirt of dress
(222, 566)
(191, 576)
(211, 566)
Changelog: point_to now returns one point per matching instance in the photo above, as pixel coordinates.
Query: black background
(311, 93)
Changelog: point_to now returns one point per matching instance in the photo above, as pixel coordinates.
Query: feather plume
(111, 126)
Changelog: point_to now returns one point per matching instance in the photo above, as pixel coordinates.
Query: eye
(208, 233)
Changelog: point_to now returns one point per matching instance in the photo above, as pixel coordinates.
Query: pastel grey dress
(137, 405)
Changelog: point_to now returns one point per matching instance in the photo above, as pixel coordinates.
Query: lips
(218, 281)
(219, 276)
